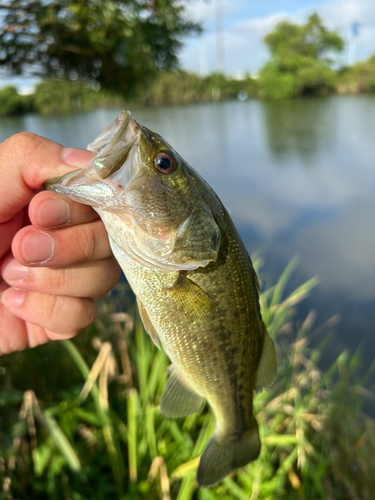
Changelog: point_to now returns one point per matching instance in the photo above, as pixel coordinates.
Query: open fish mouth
(156, 219)
(90, 185)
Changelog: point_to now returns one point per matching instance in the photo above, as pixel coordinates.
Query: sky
(244, 23)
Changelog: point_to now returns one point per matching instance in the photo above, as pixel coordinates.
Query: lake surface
(298, 178)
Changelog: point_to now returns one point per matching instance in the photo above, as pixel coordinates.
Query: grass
(101, 435)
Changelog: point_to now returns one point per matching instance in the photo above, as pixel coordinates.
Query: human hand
(59, 263)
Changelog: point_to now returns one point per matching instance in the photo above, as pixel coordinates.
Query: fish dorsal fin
(191, 299)
(149, 327)
(267, 367)
(179, 399)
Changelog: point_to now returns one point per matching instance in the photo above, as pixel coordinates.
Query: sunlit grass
(106, 438)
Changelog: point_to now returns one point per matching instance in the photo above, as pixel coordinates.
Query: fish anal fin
(149, 327)
(267, 367)
(220, 458)
(179, 399)
(192, 299)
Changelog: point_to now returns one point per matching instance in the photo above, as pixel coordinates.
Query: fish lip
(100, 144)
(47, 185)
(112, 147)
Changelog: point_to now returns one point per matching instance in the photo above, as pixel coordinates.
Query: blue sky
(246, 22)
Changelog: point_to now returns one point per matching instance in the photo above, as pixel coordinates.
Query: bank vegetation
(81, 419)
(305, 61)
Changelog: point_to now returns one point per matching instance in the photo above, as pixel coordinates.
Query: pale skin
(54, 253)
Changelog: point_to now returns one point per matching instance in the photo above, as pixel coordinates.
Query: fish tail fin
(220, 458)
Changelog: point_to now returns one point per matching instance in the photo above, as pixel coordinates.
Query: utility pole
(354, 32)
(219, 37)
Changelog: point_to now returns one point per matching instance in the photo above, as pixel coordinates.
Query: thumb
(26, 161)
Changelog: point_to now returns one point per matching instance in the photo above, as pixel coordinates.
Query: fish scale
(194, 281)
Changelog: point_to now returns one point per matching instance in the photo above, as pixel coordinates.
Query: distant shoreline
(174, 88)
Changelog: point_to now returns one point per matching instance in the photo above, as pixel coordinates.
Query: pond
(298, 178)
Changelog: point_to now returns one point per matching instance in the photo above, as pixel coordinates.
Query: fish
(195, 284)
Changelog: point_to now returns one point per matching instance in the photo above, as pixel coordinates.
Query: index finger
(48, 210)
(26, 161)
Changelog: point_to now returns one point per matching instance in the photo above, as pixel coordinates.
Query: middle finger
(49, 210)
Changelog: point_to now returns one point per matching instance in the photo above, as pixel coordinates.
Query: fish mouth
(90, 185)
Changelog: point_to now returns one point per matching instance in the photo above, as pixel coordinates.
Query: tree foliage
(301, 59)
(358, 78)
(11, 103)
(182, 87)
(118, 44)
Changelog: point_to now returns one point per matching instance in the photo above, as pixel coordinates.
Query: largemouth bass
(196, 288)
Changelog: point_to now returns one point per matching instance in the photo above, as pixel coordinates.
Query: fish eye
(165, 163)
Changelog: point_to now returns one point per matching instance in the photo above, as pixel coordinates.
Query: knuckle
(116, 272)
(87, 241)
(68, 314)
(23, 149)
(111, 273)
(22, 143)
(48, 280)
(60, 279)
(85, 312)
(49, 308)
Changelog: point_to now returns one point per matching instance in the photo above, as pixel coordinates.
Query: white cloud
(244, 49)
(204, 11)
(243, 40)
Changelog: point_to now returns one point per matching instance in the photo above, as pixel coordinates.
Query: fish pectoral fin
(179, 399)
(191, 299)
(267, 367)
(149, 327)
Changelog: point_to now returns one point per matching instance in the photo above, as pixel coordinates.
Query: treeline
(56, 96)
(181, 87)
(177, 87)
(301, 64)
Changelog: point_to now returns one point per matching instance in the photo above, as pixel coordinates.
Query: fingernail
(53, 212)
(37, 247)
(14, 271)
(13, 298)
(76, 157)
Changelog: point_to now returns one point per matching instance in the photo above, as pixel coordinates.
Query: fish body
(195, 285)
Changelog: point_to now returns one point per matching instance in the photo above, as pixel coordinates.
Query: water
(298, 177)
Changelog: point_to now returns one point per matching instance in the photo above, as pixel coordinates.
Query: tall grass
(105, 437)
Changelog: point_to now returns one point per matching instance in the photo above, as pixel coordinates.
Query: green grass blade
(132, 397)
(62, 443)
(235, 490)
(150, 431)
(283, 280)
(84, 369)
(143, 360)
(187, 488)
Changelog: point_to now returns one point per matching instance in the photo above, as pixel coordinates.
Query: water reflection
(297, 176)
(301, 128)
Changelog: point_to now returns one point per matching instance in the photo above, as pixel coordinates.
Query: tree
(117, 44)
(301, 59)
(358, 78)
(11, 103)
